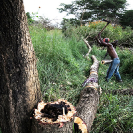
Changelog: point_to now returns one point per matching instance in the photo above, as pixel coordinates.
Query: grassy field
(62, 70)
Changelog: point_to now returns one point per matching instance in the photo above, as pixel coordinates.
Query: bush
(126, 18)
(126, 57)
(124, 36)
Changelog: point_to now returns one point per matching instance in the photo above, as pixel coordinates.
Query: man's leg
(117, 74)
(112, 68)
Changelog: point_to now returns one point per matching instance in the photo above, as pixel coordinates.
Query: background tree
(29, 18)
(94, 9)
(19, 83)
(127, 18)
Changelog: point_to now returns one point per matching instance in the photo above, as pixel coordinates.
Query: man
(114, 66)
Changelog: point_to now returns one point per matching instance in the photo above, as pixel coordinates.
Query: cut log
(54, 117)
(106, 61)
(89, 97)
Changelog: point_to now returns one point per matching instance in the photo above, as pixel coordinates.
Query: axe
(105, 25)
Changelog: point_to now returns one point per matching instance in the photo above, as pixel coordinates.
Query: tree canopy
(127, 18)
(94, 9)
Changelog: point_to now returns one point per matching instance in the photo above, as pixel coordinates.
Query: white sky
(49, 8)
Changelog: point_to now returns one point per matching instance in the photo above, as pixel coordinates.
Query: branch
(89, 47)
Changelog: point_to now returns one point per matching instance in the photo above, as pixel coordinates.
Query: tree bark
(89, 97)
(52, 128)
(19, 83)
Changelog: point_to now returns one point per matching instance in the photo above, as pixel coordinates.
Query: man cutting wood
(114, 65)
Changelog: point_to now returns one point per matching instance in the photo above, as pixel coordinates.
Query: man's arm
(98, 41)
(102, 42)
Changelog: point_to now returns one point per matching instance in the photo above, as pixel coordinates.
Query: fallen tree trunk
(89, 98)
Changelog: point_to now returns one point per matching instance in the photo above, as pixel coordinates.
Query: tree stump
(54, 117)
(45, 119)
(89, 98)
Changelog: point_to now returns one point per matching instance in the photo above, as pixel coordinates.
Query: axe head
(106, 21)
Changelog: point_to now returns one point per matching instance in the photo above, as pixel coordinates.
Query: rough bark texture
(19, 83)
(52, 128)
(89, 98)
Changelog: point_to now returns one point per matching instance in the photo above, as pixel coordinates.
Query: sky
(48, 8)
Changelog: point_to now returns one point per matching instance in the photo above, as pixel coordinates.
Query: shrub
(124, 36)
(126, 57)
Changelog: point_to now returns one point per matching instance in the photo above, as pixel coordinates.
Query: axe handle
(104, 27)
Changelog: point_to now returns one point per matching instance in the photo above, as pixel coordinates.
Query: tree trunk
(52, 118)
(19, 83)
(89, 98)
(52, 128)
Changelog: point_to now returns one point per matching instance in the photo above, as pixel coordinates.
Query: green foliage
(113, 116)
(31, 17)
(66, 23)
(127, 62)
(94, 9)
(126, 18)
(62, 69)
(60, 63)
(124, 36)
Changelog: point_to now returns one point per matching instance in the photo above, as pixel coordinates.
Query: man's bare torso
(111, 51)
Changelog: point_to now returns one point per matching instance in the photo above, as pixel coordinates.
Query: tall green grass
(60, 64)
(62, 70)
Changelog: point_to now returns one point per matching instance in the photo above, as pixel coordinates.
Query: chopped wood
(106, 61)
(81, 125)
(53, 117)
(53, 112)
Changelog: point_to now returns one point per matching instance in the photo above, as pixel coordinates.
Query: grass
(60, 64)
(62, 70)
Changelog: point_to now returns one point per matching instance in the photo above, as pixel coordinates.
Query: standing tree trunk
(19, 83)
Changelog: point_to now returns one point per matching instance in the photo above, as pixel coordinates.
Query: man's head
(106, 40)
